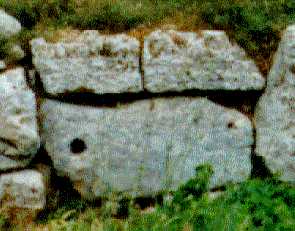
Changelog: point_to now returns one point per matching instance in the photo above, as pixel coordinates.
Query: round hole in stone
(231, 125)
(78, 146)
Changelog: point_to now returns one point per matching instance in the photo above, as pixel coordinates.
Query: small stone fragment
(23, 189)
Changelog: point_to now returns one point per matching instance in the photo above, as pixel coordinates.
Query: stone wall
(115, 116)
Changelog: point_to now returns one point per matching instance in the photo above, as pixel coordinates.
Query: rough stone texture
(283, 69)
(19, 139)
(90, 62)
(274, 114)
(2, 65)
(177, 61)
(146, 146)
(23, 189)
(9, 26)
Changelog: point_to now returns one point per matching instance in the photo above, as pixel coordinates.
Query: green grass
(255, 204)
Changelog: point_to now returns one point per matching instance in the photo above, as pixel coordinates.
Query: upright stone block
(275, 112)
(19, 138)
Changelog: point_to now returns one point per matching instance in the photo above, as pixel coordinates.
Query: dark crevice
(13, 170)
(218, 189)
(61, 193)
(144, 202)
(242, 101)
(19, 157)
(9, 142)
(141, 69)
(259, 168)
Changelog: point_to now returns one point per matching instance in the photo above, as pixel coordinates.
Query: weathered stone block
(19, 139)
(89, 62)
(275, 112)
(177, 61)
(145, 147)
(23, 189)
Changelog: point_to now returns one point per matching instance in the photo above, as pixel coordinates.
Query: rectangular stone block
(147, 146)
(178, 61)
(89, 62)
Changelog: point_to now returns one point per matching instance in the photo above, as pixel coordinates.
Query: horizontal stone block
(89, 62)
(178, 61)
(147, 146)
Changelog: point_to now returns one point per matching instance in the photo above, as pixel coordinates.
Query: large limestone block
(274, 113)
(146, 146)
(9, 26)
(89, 62)
(19, 139)
(23, 189)
(177, 61)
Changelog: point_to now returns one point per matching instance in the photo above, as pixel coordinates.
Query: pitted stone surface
(275, 130)
(177, 61)
(275, 112)
(9, 26)
(146, 146)
(283, 68)
(23, 189)
(90, 62)
(19, 139)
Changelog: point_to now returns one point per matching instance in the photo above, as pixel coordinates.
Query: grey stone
(23, 189)
(146, 146)
(19, 139)
(274, 113)
(177, 61)
(2, 65)
(275, 130)
(283, 69)
(90, 62)
(9, 25)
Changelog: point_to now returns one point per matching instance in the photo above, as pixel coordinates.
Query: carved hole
(231, 125)
(78, 146)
